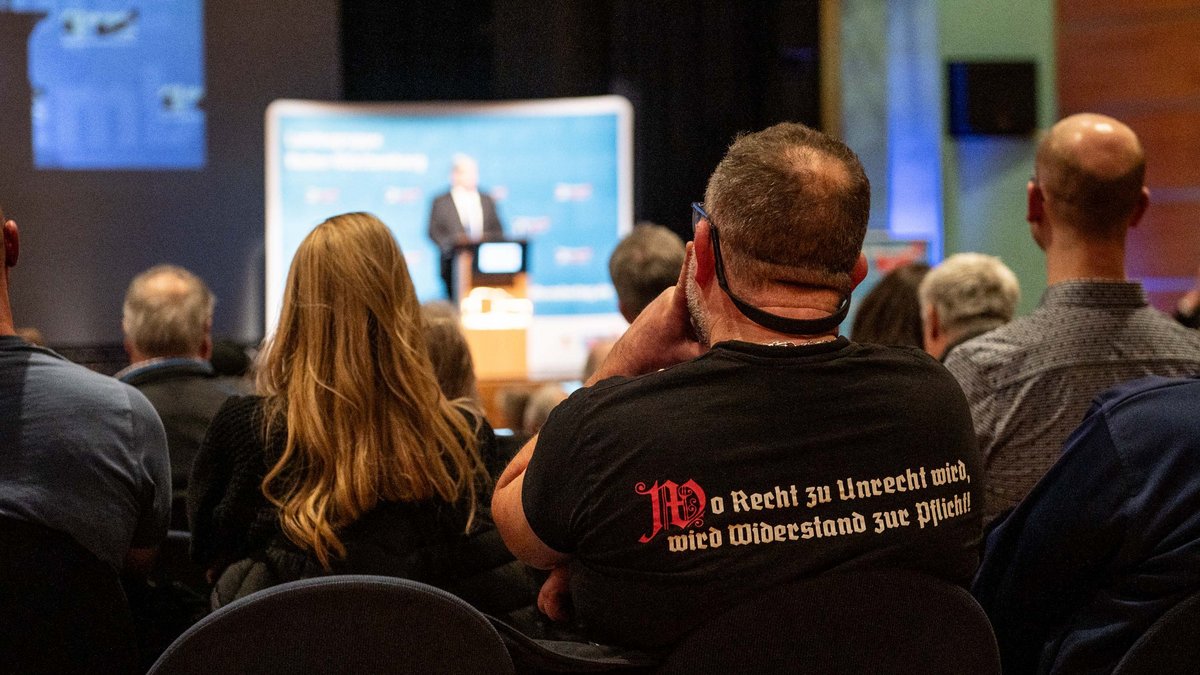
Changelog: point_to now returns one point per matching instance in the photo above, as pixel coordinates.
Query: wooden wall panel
(1165, 244)
(1071, 12)
(1139, 61)
(1171, 137)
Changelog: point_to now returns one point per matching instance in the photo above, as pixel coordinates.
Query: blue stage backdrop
(559, 170)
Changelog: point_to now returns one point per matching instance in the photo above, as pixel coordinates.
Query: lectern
(490, 284)
(495, 264)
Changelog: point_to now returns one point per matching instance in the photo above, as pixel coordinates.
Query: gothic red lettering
(673, 505)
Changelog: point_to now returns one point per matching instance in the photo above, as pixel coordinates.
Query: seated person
(890, 313)
(732, 441)
(1107, 541)
(642, 265)
(352, 460)
(80, 453)
(167, 321)
(965, 296)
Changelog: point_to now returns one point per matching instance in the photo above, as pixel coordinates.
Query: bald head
(1091, 170)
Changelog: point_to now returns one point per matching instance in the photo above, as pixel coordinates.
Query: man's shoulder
(1170, 400)
(998, 345)
(58, 378)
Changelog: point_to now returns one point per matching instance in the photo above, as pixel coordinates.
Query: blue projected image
(555, 179)
(556, 174)
(116, 84)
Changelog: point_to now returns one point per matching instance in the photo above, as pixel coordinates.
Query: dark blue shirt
(1107, 541)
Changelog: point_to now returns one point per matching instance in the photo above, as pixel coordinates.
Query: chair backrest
(1170, 645)
(62, 609)
(855, 622)
(344, 624)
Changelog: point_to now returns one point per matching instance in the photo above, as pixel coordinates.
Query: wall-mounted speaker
(991, 98)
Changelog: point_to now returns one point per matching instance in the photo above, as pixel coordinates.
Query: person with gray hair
(167, 321)
(645, 263)
(964, 296)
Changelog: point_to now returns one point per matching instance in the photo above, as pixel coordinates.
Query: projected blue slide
(558, 172)
(116, 84)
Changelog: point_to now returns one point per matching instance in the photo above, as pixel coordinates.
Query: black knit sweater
(232, 520)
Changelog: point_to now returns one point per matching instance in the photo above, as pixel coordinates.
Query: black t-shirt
(683, 491)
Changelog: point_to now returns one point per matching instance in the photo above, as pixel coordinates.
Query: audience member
(541, 402)
(1029, 382)
(167, 321)
(596, 355)
(352, 460)
(732, 441)
(82, 453)
(1107, 541)
(890, 313)
(965, 296)
(643, 264)
(449, 352)
(230, 359)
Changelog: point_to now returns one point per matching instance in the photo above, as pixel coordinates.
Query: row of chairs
(62, 611)
(883, 622)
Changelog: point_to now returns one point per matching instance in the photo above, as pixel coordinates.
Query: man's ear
(1035, 203)
(1140, 209)
(1035, 214)
(931, 324)
(12, 244)
(701, 249)
(859, 272)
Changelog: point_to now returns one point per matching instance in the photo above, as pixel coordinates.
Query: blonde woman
(350, 460)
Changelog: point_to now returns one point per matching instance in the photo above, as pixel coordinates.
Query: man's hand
(661, 336)
(554, 600)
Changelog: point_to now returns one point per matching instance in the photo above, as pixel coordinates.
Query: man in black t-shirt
(732, 441)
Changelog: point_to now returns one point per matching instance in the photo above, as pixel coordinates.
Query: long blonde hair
(349, 374)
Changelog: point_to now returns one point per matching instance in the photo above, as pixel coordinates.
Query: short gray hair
(167, 312)
(644, 264)
(970, 291)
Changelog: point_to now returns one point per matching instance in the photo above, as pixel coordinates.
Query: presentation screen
(115, 85)
(559, 173)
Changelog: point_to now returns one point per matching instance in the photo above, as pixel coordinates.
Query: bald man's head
(1091, 170)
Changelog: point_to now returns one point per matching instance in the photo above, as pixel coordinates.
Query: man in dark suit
(461, 216)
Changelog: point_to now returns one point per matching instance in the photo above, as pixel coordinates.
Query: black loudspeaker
(992, 98)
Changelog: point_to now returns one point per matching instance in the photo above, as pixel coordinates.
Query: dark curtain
(697, 72)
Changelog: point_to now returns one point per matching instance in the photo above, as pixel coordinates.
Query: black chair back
(62, 609)
(340, 624)
(1170, 645)
(883, 622)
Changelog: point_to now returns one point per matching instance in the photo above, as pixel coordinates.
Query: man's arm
(492, 227)
(444, 228)
(1043, 564)
(149, 442)
(508, 512)
(661, 336)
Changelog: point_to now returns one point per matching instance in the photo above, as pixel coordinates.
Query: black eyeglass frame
(780, 324)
